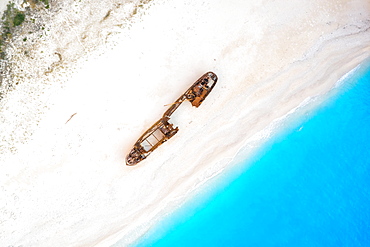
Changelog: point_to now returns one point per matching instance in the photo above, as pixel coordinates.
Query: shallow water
(309, 186)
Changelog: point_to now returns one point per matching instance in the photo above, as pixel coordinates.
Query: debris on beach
(163, 130)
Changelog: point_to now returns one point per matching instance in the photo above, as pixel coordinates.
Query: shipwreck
(163, 130)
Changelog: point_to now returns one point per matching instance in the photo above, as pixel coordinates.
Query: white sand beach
(65, 183)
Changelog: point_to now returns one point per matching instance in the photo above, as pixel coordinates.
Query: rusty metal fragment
(163, 130)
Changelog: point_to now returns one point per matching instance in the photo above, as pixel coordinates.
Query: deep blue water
(309, 186)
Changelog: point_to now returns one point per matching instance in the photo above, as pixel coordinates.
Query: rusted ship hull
(163, 130)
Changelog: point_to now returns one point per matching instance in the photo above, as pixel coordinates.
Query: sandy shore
(66, 184)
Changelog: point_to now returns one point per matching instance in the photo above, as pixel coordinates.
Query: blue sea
(308, 186)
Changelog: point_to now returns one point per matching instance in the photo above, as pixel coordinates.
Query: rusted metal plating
(162, 130)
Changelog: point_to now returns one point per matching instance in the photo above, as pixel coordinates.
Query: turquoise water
(310, 186)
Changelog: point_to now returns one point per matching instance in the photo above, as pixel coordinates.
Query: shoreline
(72, 176)
(204, 217)
(237, 163)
